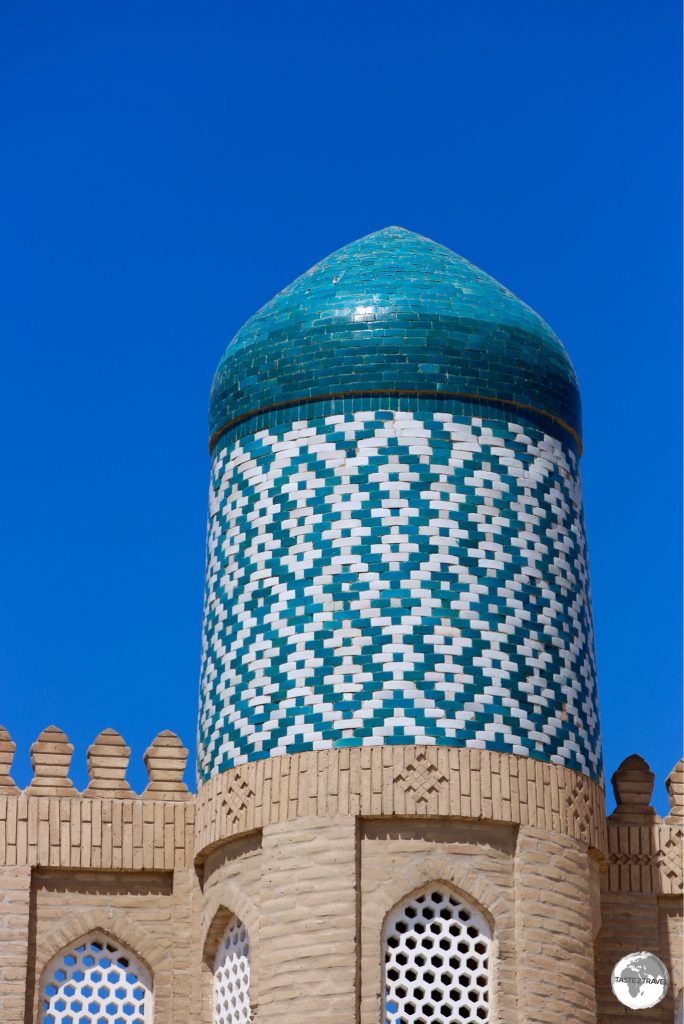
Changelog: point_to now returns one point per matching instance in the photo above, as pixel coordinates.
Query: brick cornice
(401, 781)
(645, 858)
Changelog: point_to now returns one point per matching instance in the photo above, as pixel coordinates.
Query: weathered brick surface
(108, 760)
(106, 861)
(308, 934)
(632, 923)
(50, 759)
(15, 898)
(554, 947)
(672, 951)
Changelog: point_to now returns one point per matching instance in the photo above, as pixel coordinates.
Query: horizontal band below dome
(565, 431)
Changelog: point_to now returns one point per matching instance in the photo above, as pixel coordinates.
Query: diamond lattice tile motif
(231, 977)
(436, 962)
(96, 982)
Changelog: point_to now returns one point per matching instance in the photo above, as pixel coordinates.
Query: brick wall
(554, 940)
(313, 852)
(15, 898)
(308, 934)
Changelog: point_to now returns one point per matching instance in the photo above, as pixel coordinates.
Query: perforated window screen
(231, 977)
(437, 962)
(96, 981)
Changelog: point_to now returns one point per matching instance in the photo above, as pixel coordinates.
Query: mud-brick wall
(106, 860)
(641, 889)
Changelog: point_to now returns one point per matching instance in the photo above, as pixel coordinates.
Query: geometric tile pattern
(95, 982)
(436, 962)
(391, 576)
(231, 977)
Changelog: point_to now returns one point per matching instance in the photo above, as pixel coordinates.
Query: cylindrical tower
(398, 684)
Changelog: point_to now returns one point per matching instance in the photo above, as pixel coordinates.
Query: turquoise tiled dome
(395, 312)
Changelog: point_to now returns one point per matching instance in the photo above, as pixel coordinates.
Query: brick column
(555, 958)
(15, 898)
(308, 934)
(185, 963)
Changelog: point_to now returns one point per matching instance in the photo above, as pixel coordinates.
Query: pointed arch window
(437, 961)
(231, 976)
(93, 981)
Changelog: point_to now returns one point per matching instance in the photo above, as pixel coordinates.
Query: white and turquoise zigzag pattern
(395, 577)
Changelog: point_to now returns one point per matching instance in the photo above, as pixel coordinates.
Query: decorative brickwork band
(645, 859)
(478, 404)
(400, 781)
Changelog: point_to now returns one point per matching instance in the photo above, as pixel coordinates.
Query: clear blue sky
(168, 167)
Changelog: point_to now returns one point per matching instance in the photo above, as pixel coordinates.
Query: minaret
(398, 714)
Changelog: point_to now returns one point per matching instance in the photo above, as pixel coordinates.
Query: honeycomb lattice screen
(96, 981)
(437, 954)
(231, 976)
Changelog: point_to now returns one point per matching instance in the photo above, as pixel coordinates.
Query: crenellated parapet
(165, 760)
(108, 825)
(641, 890)
(7, 748)
(50, 759)
(644, 851)
(675, 792)
(108, 758)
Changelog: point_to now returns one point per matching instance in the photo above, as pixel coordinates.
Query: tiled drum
(390, 563)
